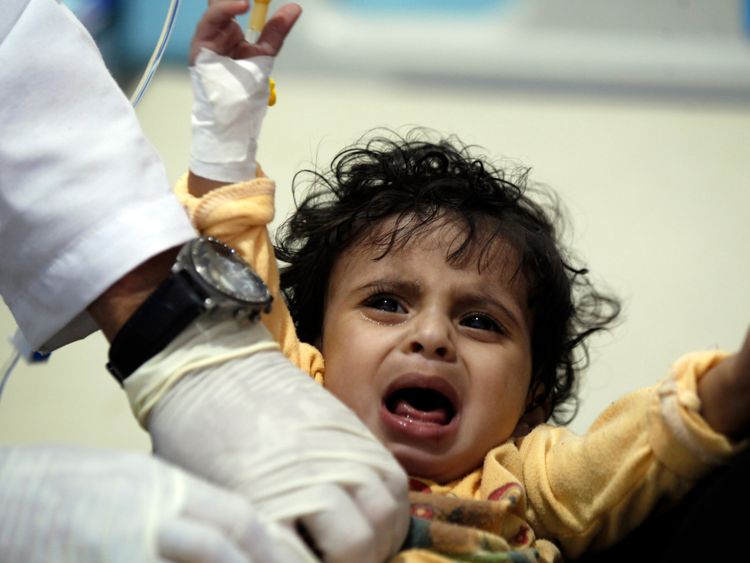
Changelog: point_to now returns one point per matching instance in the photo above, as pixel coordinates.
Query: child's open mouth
(425, 405)
(420, 407)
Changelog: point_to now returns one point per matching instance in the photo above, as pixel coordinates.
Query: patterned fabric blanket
(448, 529)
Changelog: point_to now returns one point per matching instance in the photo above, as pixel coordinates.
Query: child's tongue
(435, 415)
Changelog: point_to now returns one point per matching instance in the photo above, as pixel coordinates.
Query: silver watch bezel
(189, 261)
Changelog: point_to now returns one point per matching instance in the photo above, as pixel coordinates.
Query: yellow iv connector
(258, 16)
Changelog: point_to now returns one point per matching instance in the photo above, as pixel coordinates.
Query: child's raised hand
(231, 90)
(218, 31)
(725, 394)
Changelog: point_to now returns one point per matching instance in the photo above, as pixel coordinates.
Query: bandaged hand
(261, 427)
(76, 505)
(230, 80)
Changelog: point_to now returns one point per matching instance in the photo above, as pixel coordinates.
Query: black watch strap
(159, 319)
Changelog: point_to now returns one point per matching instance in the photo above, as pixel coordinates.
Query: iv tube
(158, 53)
(258, 15)
(8, 369)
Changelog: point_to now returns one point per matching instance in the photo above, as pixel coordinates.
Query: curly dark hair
(416, 182)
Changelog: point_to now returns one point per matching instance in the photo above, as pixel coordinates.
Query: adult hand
(81, 505)
(261, 427)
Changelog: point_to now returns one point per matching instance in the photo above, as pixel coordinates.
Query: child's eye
(480, 321)
(385, 303)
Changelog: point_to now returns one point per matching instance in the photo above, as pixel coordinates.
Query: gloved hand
(259, 426)
(79, 505)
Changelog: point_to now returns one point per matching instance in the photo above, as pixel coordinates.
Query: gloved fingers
(358, 456)
(338, 529)
(289, 547)
(238, 521)
(357, 446)
(184, 540)
(381, 498)
(259, 538)
(387, 512)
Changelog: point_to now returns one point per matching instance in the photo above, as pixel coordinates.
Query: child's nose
(432, 337)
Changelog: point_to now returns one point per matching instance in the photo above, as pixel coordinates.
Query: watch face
(227, 272)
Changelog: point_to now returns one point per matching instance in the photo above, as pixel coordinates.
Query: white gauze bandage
(230, 99)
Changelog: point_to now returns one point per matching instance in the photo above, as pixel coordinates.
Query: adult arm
(84, 198)
(82, 505)
(85, 206)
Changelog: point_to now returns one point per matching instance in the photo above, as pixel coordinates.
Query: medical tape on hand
(204, 343)
(230, 99)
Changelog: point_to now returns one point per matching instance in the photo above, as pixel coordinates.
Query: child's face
(435, 358)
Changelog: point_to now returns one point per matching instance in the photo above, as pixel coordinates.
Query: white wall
(701, 46)
(657, 190)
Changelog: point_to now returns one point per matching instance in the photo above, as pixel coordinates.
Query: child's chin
(435, 467)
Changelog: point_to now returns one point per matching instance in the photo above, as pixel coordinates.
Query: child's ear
(531, 418)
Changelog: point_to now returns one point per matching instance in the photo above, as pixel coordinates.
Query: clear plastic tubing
(158, 53)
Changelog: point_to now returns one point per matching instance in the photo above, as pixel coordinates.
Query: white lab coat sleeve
(84, 198)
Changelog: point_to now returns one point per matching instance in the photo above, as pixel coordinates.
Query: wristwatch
(207, 278)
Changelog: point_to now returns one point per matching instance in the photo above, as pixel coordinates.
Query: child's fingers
(219, 13)
(276, 29)
(217, 17)
(217, 29)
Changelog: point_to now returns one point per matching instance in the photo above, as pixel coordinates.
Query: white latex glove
(81, 505)
(260, 426)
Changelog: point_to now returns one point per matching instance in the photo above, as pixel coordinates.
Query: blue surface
(140, 23)
(96, 15)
